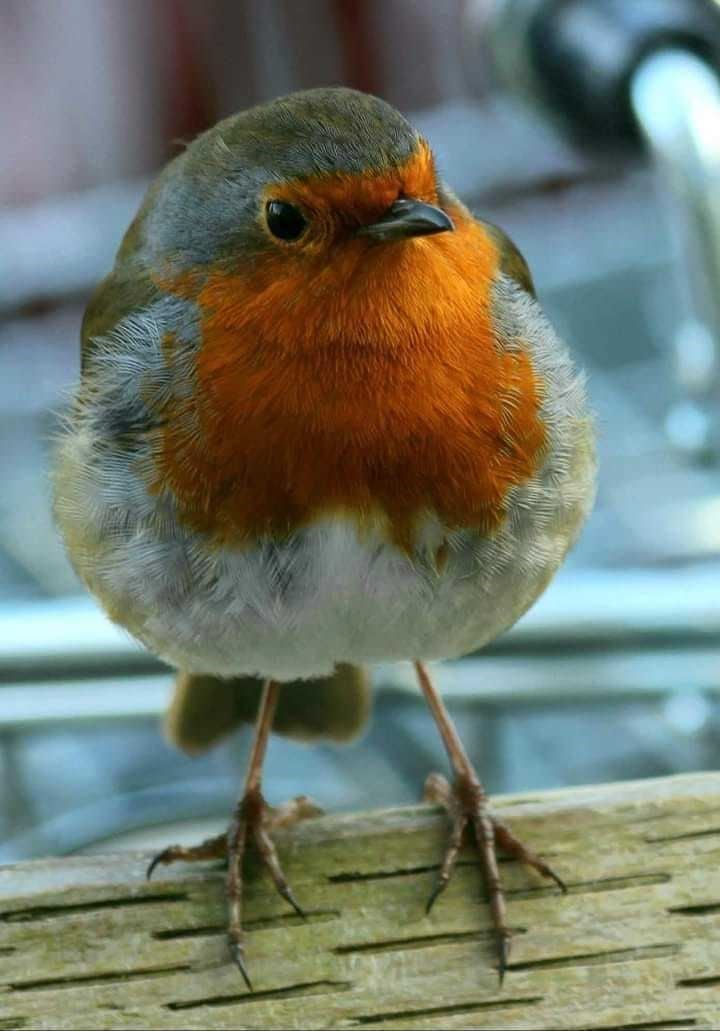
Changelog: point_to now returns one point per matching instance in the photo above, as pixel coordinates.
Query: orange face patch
(362, 379)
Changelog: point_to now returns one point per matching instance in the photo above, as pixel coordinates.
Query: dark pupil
(284, 221)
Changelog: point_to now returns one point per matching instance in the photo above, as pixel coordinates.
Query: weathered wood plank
(85, 942)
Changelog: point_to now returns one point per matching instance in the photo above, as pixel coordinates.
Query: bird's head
(304, 177)
(314, 223)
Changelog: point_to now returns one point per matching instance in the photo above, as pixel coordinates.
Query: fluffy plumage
(282, 458)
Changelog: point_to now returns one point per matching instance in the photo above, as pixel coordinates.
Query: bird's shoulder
(511, 260)
(124, 291)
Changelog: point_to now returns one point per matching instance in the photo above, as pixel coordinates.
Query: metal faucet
(675, 96)
(618, 72)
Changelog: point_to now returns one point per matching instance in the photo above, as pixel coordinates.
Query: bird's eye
(284, 220)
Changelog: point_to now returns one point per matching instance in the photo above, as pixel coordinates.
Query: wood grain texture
(85, 942)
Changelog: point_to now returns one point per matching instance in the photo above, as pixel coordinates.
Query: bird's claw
(466, 803)
(238, 956)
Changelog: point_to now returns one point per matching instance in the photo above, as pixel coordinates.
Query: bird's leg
(466, 803)
(253, 819)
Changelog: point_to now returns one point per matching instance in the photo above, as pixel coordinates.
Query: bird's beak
(406, 218)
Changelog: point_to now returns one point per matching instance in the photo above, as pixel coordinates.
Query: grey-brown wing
(512, 263)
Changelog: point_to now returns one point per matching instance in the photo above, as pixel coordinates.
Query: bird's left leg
(467, 803)
(253, 820)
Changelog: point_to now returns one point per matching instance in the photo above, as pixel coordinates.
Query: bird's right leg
(253, 819)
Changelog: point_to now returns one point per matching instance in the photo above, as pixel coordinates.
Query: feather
(205, 709)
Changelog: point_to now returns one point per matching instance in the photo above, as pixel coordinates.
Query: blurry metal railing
(595, 628)
(596, 639)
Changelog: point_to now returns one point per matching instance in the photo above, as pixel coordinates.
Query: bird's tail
(205, 709)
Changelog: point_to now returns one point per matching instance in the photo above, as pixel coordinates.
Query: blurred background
(589, 130)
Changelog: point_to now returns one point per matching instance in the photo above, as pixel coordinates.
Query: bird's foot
(466, 803)
(253, 820)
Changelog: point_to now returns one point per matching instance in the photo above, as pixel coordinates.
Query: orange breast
(368, 383)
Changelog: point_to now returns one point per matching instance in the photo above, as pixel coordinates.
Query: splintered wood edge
(586, 803)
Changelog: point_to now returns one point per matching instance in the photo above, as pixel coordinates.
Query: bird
(322, 422)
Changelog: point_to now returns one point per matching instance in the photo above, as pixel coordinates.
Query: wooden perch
(85, 942)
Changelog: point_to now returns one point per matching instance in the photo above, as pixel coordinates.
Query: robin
(322, 422)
